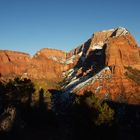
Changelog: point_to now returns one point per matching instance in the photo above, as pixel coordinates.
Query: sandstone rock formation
(115, 48)
(45, 64)
(97, 65)
(101, 66)
(13, 63)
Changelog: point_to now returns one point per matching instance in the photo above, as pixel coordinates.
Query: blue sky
(29, 25)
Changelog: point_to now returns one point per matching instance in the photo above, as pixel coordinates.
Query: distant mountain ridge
(98, 65)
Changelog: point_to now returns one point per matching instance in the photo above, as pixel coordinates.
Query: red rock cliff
(13, 63)
(113, 50)
(47, 63)
(97, 65)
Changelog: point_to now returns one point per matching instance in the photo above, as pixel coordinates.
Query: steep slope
(99, 65)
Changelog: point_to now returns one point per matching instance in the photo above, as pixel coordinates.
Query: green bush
(98, 112)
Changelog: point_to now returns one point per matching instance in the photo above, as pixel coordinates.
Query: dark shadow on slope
(42, 106)
(56, 99)
(114, 33)
(127, 119)
(84, 48)
(95, 62)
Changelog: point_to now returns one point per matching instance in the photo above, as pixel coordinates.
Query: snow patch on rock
(70, 72)
(97, 46)
(70, 60)
(110, 30)
(80, 54)
(90, 80)
(77, 84)
(121, 31)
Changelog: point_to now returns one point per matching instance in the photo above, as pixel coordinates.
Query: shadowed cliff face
(97, 65)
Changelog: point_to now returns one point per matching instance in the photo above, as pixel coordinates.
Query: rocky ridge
(98, 65)
(101, 66)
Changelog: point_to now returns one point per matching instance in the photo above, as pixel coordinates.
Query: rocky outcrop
(101, 63)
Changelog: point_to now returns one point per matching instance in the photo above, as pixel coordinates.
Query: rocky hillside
(45, 64)
(115, 48)
(98, 65)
